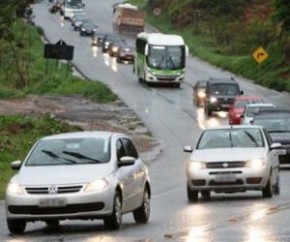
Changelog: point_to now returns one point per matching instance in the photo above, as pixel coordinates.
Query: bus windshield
(166, 57)
(75, 4)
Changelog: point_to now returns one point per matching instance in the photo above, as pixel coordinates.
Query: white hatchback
(81, 175)
(252, 109)
(231, 159)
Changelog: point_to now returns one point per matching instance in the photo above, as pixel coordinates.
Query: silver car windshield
(70, 152)
(231, 138)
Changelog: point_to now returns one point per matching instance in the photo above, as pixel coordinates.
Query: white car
(231, 159)
(81, 175)
(252, 109)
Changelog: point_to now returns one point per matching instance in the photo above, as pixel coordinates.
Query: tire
(208, 112)
(52, 222)
(16, 226)
(268, 190)
(192, 196)
(142, 214)
(205, 195)
(277, 186)
(114, 221)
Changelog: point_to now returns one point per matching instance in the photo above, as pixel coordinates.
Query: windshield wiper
(55, 156)
(251, 138)
(81, 156)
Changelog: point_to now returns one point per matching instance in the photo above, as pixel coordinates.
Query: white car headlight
(196, 165)
(115, 48)
(256, 163)
(213, 99)
(14, 189)
(83, 29)
(201, 94)
(97, 185)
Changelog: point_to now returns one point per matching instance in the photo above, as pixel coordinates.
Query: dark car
(199, 92)
(220, 94)
(126, 54)
(98, 38)
(88, 28)
(115, 46)
(77, 20)
(108, 39)
(277, 123)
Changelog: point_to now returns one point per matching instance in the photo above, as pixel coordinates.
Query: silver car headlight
(213, 99)
(14, 189)
(194, 165)
(83, 29)
(97, 185)
(256, 163)
(115, 48)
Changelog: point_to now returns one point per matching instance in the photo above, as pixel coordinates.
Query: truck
(127, 18)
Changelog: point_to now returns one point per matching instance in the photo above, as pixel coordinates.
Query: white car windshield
(231, 138)
(70, 152)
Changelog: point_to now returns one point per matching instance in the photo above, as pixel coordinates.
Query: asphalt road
(170, 115)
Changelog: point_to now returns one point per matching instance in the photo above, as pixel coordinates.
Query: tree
(282, 14)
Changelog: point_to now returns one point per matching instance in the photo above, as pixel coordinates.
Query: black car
(108, 39)
(88, 28)
(125, 54)
(277, 123)
(115, 46)
(220, 94)
(199, 92)
(77, 20)
(98, 38)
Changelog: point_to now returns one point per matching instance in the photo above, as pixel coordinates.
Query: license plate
(52, 202)
(225, 178)
(225, 105)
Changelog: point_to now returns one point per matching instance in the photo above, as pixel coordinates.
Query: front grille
(224, 172)
(60, 189)
(166, 78)
(237, 182)
(69, 209)
(225, 164)
(284, 159)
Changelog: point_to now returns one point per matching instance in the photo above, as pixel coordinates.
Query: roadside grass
(19, 133)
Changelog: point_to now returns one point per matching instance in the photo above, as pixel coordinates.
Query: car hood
(283, 138)
(45, 175)
(228, 154)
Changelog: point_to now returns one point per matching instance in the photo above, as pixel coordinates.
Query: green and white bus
(160, 58)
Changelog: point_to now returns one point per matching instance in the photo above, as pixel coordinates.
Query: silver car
(252, 109)
(230, 159)
(81, 175)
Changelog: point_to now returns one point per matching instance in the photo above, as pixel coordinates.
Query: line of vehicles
(244, 155)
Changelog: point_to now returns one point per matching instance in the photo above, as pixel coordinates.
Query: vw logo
(52, 190)
(225, 165)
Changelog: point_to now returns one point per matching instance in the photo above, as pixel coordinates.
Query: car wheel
(192, 195)
(205, 195)
(16, 226)
(267, 191)
(142, 214)
(114, 221)
(208, 112)
(52, 222)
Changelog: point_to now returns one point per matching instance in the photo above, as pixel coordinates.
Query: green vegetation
(226, 33)
(18, 134)
(23, 71)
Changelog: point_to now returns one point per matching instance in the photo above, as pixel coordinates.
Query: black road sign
(59, 50)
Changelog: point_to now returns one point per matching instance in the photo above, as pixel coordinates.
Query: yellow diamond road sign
(260, 55)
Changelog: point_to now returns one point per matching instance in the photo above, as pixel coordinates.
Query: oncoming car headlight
(256, 163)
(14, 189)
(201, 94)
(213, 99)
(115, 48)
(97, 185)
(194, 165)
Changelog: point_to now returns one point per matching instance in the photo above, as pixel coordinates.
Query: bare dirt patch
(76, 110)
